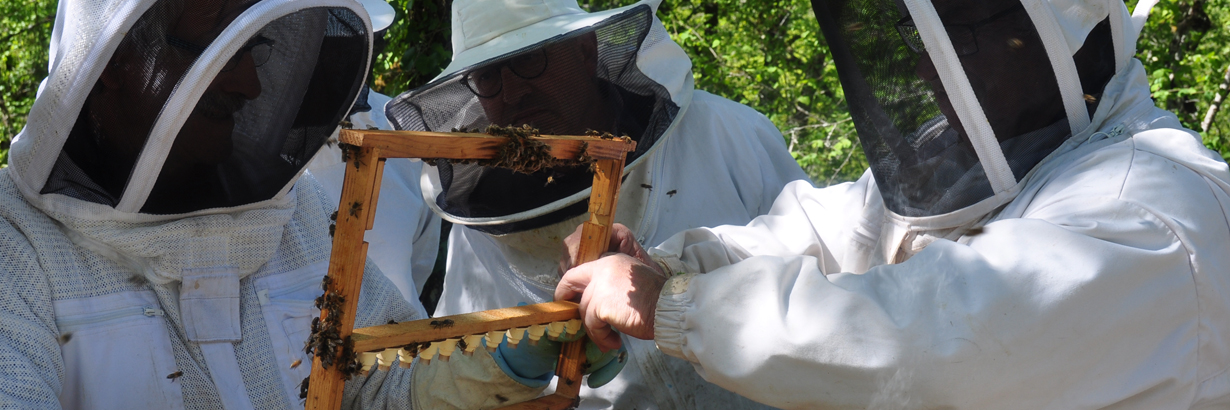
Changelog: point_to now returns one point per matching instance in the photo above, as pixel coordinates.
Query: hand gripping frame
(366, 153)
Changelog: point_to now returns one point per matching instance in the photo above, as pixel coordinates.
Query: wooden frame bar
(370, 339)
(356, 215)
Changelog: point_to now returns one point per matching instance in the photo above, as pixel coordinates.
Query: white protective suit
(717, 162)
(405, 239)
(112, 302)
(1101, 280)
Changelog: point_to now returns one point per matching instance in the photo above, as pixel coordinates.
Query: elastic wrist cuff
(670, 264)
(669, 320)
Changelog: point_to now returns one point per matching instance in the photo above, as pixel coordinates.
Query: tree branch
(32, 26)
(1217, 100)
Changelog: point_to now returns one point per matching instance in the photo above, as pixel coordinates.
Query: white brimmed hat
(647, 73)
(381, 13)
(483, 29)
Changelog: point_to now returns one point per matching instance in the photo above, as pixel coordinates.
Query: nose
(515, 87)
(243, 80)
(925, 69)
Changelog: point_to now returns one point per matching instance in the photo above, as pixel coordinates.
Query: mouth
(528, 116)
(219, 106)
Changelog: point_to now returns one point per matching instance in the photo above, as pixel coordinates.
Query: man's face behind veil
(131, 97)
(1010, 72)
(565, 98)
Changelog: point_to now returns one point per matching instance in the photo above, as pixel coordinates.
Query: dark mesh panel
(115, 121)
(278, 115)
(583, 80)
(920, 155)
(259, 122)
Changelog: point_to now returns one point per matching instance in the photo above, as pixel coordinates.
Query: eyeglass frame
(499, 68)
(907, 23)
(233, 62)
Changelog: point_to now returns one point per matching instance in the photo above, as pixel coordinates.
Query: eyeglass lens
(259, 48)
(487, 81)
(962, 38)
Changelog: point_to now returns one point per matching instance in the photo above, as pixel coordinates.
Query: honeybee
(175, 375)
(441, 324)
(296, 363)
(303, 388)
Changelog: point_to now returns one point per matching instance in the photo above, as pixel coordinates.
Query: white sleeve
(802, 221)
(758, 161)
(1082, 303)
(31, 365)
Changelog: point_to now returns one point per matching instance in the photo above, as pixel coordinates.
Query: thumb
(573, 284)
(600, 332)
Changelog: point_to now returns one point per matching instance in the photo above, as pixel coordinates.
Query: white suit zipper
(69, 323)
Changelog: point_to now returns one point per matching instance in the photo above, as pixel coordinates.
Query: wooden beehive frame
(366, 157)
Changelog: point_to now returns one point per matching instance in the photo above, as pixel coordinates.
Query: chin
(204, 137)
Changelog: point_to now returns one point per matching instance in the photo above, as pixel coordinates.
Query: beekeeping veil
(157, 111)
(555, 67)
(955, 101)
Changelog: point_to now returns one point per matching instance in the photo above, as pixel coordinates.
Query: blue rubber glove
(534, 366)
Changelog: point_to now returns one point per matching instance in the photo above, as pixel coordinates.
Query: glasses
(260, 47)
(488, 81)
(961, 35)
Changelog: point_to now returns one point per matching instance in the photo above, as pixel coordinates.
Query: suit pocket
(287, 303)
(119, 355)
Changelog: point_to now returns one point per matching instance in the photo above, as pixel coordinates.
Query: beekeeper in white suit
(1033, 232)
(158, 248)
(405, 239)
(701, 160)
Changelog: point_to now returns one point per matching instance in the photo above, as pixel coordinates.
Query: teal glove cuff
(604, 366)
(533, 366)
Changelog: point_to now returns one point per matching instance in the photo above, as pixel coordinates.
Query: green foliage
(25, 30)
(1185, 48)
(419, 46)
(772, 57)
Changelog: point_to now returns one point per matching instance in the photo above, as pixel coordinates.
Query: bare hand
(616, 291)
(622, 241)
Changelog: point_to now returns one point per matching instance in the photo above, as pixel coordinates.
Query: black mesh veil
(583, 80)
(921, 155)
(259, 121)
